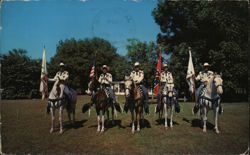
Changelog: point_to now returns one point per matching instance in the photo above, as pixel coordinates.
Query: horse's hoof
(217, 131)
(61, 131)
(51, 131)
(133, 131)
(102, 130)
(138, 129)
(204, 130)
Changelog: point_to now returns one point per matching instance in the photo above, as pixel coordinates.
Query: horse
(57, 102)
(168, 100)
(102, 104)
(210, 99)
(134, 101)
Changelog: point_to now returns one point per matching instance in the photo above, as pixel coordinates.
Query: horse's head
(128, 82)
(93, 85)
(218, 82)
(168, 89)
(56, 90)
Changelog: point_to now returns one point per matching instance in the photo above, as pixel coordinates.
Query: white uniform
(203, 76)
(105, 79)
(167, 77)
(63, 76)
(137, 76)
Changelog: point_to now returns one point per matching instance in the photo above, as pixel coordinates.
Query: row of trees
(216, 31)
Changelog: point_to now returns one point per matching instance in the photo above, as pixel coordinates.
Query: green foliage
(78, 55)
(217, 33)
(146, 54)
(20, 75)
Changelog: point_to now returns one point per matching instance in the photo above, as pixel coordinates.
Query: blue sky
(32, 24)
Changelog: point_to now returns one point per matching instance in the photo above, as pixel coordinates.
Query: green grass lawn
(25, 129)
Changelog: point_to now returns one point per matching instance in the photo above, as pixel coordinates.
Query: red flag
(158, 77)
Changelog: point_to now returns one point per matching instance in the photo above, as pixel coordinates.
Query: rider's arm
(141, 77)
(65, 76)
(171, 79)
(53, 79)
(110, 79)
(198, 77)
(100, 78)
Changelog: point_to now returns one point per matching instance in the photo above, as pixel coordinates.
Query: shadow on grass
(161, 121)
(198, 123)
(109, 124)
(76, 125)
(144, 123)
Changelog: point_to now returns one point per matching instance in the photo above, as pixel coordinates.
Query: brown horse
(133, 99)
(102, 104)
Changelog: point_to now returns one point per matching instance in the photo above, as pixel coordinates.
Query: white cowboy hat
(206, 64)
(105, 66)
(165, 65)
(137, 64)
(61, 64)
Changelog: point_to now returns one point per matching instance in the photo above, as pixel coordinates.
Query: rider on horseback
(138, 76)
(62, 75)
(166, 78)
(105, 80)
(202, 77)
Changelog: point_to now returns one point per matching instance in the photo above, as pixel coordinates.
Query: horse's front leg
(133, 120)
(69, 116)
(103, 120)
(52, 110)
(166, 115)
(61, 119)
(138, 116)
(204, 119)
(171, 115)
(113, 113)
(98, 120)
(74, 119)
(216, 111)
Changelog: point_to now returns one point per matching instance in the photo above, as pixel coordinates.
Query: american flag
(92, 71)
(158, 75)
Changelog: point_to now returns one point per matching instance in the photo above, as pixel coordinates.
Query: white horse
(210, 99)
(57, 100)
(168, 100)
